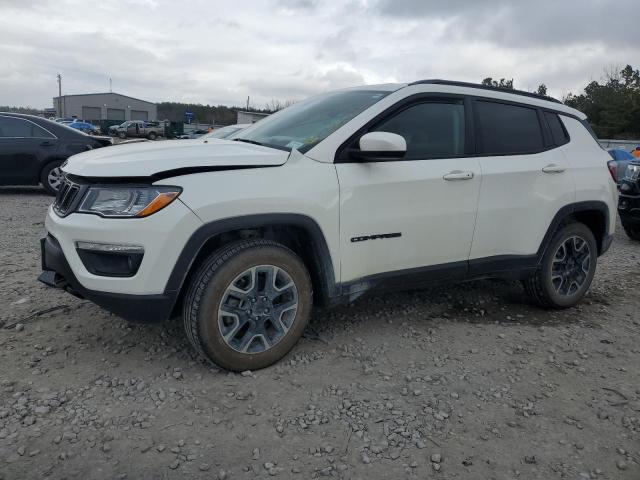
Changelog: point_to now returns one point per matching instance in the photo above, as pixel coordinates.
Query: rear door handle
(553, 168)
(46, 143)
(458, 175)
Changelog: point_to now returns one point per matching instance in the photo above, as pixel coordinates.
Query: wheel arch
(298, 232)
(48, 161)
(594, 214)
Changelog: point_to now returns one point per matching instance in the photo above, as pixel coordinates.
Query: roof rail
(485, 87)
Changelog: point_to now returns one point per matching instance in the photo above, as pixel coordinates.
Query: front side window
(507, 129)
(431, 130)
(305, 124)
(11, 127)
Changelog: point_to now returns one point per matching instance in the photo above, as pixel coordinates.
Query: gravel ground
(460, 382)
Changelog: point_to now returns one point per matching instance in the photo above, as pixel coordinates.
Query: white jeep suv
(364, 188)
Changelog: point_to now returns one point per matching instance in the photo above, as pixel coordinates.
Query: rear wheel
(152, 135)
(567, 268)
(632, 230)
(248, 305)
(51, 177)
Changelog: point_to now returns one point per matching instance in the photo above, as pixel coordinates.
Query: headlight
(632, 172)
(127, 201)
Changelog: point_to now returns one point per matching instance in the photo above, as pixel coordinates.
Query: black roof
(486, 87)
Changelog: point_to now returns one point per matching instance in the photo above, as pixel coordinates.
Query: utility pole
(247, 103)
(60, 111)
(110, 86)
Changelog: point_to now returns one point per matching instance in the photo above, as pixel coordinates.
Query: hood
(165, 156)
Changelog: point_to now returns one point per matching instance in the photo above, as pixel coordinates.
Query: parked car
(193, 134)
(64, 119)
(341, 194)
(85, 127)
(228, 131)
(137, 128)
(629, 200)
(33, 148)
(622, 159)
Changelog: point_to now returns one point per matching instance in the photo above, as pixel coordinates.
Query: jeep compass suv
(373, 187)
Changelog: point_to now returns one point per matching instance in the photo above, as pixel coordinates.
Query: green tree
(613, 106)
(219, 115)
(542, 89)
(507, 84)
(27, 110)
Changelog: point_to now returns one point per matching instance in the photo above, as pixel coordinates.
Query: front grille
(66, 196)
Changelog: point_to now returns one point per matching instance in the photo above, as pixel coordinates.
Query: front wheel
(122, 135)
(566, 270)
(51, 177)
(248, 305)
(152, 135)
(632, 230)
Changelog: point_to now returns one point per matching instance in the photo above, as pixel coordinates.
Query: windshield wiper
(253, 142)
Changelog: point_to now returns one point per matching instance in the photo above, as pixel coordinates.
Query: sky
(219, 52)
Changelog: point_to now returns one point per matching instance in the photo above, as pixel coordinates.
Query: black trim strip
(176, 172)
(479, 86)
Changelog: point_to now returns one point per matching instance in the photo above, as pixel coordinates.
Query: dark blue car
(84, 127)
(622, 158)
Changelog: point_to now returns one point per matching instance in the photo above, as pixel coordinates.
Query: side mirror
(381, 147)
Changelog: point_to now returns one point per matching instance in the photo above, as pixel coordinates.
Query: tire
(122, 135)
(632, 230)
(50, 177)
(572, 279)
(210, 306)
(152, 136)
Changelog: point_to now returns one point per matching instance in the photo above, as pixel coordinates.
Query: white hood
(151, 158)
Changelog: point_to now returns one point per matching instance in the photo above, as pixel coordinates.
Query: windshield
(305, 124)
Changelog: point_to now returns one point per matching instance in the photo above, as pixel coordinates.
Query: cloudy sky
(219, 52)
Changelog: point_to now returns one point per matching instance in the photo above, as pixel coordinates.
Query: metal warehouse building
(250, 117)
(105, 106)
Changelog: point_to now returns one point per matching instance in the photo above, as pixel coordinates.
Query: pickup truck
(137, 128)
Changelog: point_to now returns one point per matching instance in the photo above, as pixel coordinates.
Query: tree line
(219, 114)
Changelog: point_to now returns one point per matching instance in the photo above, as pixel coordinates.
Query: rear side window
(11, 127)
(558, 132)
(507, 129)
(431, 130)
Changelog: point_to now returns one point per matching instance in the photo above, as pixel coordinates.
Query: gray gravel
(457, 382)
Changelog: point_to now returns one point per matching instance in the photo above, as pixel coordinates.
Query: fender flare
(325, 273)
(567, 211)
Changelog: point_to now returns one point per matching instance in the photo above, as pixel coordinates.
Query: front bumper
(57, 273)
(629, 208)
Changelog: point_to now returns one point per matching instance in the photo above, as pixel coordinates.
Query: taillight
(613, 169)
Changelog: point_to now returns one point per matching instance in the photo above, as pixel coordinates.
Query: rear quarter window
(558, 132)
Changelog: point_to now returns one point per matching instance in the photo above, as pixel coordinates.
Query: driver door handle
(553, 168)
(46, 143)
(458, 175)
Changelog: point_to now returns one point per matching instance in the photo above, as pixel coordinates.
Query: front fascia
(162, 235)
